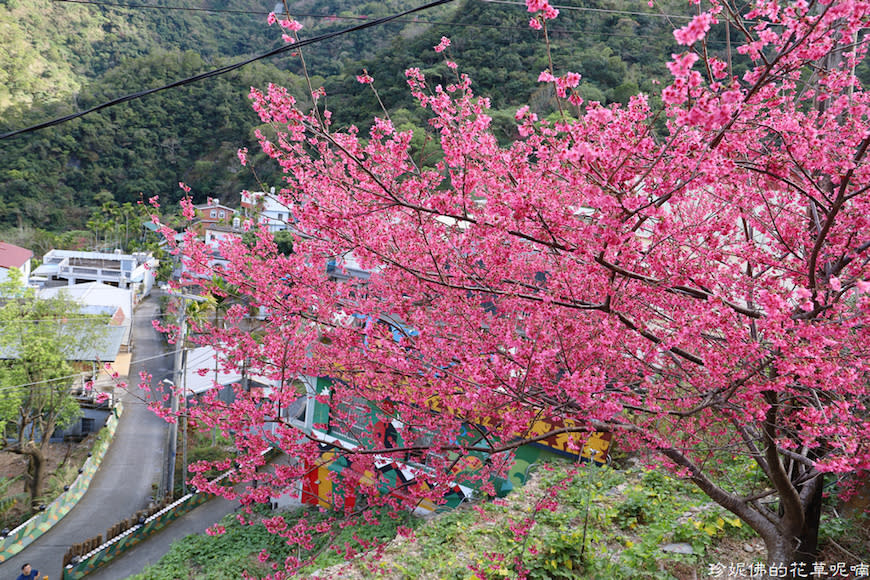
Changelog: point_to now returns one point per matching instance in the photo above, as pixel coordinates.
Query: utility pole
(178, 373)
(179, 379)
(184, 425)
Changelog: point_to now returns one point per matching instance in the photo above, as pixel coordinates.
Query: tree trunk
(35, 472)
(780, 551)
(807, 549)
(792, 552)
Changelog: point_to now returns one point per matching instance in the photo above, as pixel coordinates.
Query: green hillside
(61, 56)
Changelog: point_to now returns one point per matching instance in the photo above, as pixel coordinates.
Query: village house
(137, 270)
(213, 212)
(267, 209)
(14, 257)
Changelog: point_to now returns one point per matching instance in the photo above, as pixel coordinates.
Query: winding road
(123, 484)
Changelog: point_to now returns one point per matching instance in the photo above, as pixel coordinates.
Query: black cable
(600, 10)
(298, 15)
(155, 7)
(222, 70)
(282, 49)
(524, 28)
(336, 17)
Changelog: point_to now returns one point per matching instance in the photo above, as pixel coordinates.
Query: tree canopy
(687, 270)
(37, 339)
(54, 179)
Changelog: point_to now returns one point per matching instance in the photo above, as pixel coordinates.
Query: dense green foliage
(55, 177)
(632, 515)
(52, 49)
(237, 550)
(61, 57)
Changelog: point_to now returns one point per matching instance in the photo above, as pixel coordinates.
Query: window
(213, 213)
(297, 412)
(223, 214)
(358, 419)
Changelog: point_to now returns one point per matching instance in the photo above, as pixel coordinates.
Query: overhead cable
(44, 381)
(415, 20)
(601, 10)
(345, 17)
(297, 15)
(223, 69)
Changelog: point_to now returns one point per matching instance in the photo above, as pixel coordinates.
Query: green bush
(235, 552)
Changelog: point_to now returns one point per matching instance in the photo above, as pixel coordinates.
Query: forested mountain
(62, 56)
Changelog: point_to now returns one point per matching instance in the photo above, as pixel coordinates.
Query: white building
(214, 234)
(197, 381)
(17, 258)
(95, 297)
(267, 209)
(121, 270)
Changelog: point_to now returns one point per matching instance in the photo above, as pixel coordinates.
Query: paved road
(133, 463)
(152, 549)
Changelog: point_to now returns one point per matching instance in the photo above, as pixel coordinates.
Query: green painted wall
(25, 534)
(119, 544)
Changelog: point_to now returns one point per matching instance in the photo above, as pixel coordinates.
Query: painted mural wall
(394, 476)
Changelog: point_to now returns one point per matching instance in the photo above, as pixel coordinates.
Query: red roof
(12, 256)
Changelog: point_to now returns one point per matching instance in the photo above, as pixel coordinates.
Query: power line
(141, 360)
(601, 10)
(156, 356)
(306, 42)
(224, 69)
(11, 387)
(155, 7)
(96, 318)
(365, 18)
(337, 17)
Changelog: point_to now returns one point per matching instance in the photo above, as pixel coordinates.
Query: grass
(602, 523)
(238, 550)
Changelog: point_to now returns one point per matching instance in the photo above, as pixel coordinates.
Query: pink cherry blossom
(548, 12)
(675, 271)
(292, 25)
(682, 64)
(569, 80)
(442, 46)
(695, 30)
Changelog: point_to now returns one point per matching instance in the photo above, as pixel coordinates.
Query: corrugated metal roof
(95, 294)
(204, 358)
(95, 342)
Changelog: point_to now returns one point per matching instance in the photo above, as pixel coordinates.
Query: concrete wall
(26, 533)
(108, 551)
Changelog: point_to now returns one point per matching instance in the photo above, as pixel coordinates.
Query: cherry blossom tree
(690, 276)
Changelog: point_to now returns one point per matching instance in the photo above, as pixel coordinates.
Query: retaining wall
(116, 546)
(26, 533)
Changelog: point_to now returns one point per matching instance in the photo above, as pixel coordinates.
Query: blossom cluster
(694, 279)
